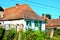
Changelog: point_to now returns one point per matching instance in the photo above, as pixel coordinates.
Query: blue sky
(39, 6)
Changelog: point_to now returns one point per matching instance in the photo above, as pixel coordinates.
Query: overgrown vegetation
(29, 34)
(1, 32)
(57, 34)
(10, 35)
(33, 35)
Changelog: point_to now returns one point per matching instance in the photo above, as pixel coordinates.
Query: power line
(31, 4)
(2, 3)
(25, 3)
(38, 4)
(41, 4)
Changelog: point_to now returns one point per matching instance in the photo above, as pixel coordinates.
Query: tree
(59, 16)
(43, 14)
(49, 16)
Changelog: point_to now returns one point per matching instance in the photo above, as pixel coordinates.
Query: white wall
(24, 23)
(1, 22)
(37, 28)
(15, 22)
(43, 26)
(32, 22)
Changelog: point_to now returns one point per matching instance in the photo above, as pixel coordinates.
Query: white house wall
(24, 23)
(43, 26)
(1, 22)
(15, 22)
(32, 22)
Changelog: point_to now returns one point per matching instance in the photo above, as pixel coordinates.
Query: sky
(39, 6)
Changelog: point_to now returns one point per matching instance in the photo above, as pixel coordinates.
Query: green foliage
(33, 35)
(13, 31)
(40, 35)
(10, 35)
(6, 35)
(49, 16)
(57, 32)
(1, 31)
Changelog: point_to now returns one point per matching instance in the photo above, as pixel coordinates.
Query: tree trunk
(19, 38)
(52, 32)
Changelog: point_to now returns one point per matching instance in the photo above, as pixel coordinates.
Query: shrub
(6, 35)
(33, 35)
(57, 32)
(1, 32)
(10, 35)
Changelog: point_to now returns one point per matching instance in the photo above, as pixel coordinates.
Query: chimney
(17, 4)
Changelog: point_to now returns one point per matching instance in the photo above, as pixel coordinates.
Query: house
(21, 15)
(53, 24)
(1, 11)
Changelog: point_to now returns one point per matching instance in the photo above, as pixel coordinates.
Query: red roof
(20, 11)
(53, 23)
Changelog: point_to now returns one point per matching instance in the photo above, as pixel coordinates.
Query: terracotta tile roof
(20, 11)
(53, 23)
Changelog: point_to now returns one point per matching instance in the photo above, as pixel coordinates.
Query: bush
(33, 35)
(57, 32)
(6, 35)
(1, 33)
(10, 35)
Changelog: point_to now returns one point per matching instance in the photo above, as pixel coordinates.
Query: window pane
(28, 23)
(40, 23)
(36, 23)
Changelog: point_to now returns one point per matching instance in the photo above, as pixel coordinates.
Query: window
(36, 23)
(40, 23)
(28, 23)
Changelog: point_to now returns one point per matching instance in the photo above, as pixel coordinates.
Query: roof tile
(20, 11)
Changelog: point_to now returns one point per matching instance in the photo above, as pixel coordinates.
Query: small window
(40, 23)
(36, 23)
(28, 23)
